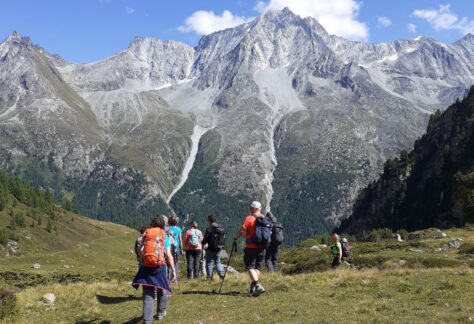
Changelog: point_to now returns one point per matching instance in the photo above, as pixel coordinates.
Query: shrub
(20, 220)
(466, 248)
(403, 234)
(385, 233)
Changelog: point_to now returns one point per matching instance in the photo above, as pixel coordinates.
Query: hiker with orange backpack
(152, 273)
(257, 238)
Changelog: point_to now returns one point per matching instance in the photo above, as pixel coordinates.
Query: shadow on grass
(134, 320)
(208, 293)
(116, 300)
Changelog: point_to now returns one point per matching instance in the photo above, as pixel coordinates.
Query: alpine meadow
(355, 153)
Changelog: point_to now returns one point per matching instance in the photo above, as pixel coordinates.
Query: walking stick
(176, 266)
(234, 246)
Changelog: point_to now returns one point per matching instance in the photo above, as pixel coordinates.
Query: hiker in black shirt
(214, 238)
(271, 254)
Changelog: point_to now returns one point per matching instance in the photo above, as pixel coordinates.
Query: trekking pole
(176, 267)
(234, 246)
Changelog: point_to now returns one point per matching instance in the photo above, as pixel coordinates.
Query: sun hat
(256, 204)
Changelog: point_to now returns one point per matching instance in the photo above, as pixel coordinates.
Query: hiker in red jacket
(254, 255)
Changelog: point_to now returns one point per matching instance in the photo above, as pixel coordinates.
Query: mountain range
(275, 109)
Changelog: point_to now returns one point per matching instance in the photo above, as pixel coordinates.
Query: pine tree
(49, 226)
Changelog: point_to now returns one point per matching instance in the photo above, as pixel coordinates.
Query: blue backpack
(262, 235)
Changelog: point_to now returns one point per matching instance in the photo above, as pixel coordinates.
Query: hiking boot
(252, 288)
(221, 276)
(160, 316)
(258, 290)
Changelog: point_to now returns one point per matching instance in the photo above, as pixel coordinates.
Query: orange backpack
(152, 249)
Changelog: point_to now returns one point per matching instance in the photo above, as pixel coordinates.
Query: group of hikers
(160, 245)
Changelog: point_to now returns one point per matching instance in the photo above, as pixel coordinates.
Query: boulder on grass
(48, 298)
(397, 237)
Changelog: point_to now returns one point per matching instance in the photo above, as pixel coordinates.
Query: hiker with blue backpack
(193, 244)
(257, 238)
(214, 237)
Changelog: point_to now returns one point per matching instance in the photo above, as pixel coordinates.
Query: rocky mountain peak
(16, 39)
(15, 36)
(466, 40)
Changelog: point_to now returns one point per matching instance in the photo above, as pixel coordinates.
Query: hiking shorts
(254, 258)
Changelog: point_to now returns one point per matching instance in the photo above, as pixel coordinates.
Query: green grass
(434, 287)
(83, 244)
(346, 295)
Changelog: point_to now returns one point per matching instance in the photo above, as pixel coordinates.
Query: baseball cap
(256, 204)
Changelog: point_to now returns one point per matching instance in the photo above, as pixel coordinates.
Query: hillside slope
(58, 239)
(433, 185)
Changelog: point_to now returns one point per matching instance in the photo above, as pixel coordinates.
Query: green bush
(466, 248)
(20, 220)
(403, 234)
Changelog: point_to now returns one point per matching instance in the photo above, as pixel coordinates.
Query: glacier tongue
(198, 132)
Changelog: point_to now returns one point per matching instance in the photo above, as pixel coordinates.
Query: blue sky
(90, 30)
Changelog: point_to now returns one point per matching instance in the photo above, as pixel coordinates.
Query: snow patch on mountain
(198, 132)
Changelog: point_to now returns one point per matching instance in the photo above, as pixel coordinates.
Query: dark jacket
(208, 237)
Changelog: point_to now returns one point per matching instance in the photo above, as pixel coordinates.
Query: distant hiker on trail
(152, 273)
(257, 238)
(177, 242)
(193, 243)
(138, 243)
(336, 251)
(214, 237)
(271, 254)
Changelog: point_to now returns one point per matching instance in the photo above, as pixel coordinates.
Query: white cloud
(338, 17)
(129, 10)
(412, 28)
(206, 22)
(443, 18)
(384, 21)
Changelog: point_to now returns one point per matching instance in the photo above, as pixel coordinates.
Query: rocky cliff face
(277, 109)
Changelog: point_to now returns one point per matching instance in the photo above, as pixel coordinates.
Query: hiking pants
(176, 267)
(271, 257)
(193, 258)
(335, 262)
(216, 257)
(149, 299)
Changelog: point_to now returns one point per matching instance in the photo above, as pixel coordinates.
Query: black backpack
(262, 235)
(346, 249)
(277, 234)
(217, 240)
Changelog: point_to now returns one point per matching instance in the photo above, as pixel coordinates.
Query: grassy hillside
(72, 242)
(434, 287)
